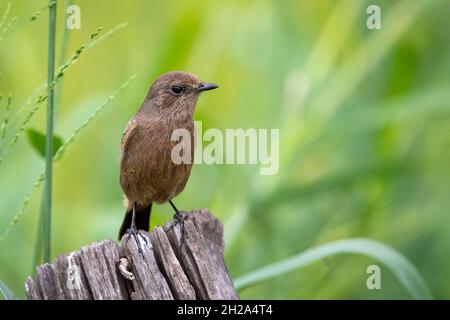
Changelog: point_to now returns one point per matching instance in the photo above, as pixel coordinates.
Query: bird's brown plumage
(147, 172)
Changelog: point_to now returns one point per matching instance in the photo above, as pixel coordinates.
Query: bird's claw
(133, 231)
(179, 218)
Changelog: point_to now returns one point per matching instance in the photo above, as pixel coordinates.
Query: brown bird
(147, 172)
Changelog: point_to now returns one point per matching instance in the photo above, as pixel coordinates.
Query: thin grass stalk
(5, 118)
(37, 255)
(59, 74)
(59, 154)
(4, 125)
(4, 28)
(47, 198)
(5, 32)
(5, 15)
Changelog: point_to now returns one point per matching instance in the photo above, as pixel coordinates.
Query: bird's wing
(127, 137)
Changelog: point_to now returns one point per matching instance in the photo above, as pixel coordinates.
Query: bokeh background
(364, 120)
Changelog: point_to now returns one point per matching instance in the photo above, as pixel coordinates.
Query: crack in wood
(163, 270)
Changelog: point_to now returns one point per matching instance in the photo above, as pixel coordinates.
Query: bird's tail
(142, 219)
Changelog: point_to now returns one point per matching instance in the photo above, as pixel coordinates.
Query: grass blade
(41, 97)
(37, 142)
(5, 15)
(60, 152)
(6, 292)
(4, 124)
(5, 32)
(402, 268)
(47, 198)
(91, 117)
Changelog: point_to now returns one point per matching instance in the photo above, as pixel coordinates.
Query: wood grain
(162, 266)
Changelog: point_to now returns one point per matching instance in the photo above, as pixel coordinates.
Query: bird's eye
(177, 90)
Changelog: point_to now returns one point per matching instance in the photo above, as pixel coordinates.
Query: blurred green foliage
(37, 141)
(363, 115)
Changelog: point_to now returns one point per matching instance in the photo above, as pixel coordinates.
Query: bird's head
(175, 92)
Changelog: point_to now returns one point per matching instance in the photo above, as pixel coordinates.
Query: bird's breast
(152, 169)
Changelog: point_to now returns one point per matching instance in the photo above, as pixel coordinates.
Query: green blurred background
(364, 120)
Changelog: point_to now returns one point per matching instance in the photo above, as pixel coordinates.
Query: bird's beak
(204, 86)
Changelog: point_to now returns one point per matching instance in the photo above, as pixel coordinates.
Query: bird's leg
(178, 218)
(133, 231)
(133, 217)
(174, 208)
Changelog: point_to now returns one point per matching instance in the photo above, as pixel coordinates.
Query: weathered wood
(149, 283)
(71, 274)
(46, 278)
(99, 261)
(32, 290)
(171, 267)
(201, 255)
(150, 266)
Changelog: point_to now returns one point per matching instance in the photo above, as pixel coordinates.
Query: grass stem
(47, 197)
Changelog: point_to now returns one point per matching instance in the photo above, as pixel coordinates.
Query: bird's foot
(133, 231)
(179, 218)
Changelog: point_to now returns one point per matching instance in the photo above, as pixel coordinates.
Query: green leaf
(6, 292)
(402, 268)
(37, 141)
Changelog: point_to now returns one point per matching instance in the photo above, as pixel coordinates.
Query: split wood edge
(163, 269)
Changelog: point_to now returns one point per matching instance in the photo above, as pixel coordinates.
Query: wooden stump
(158, 267)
